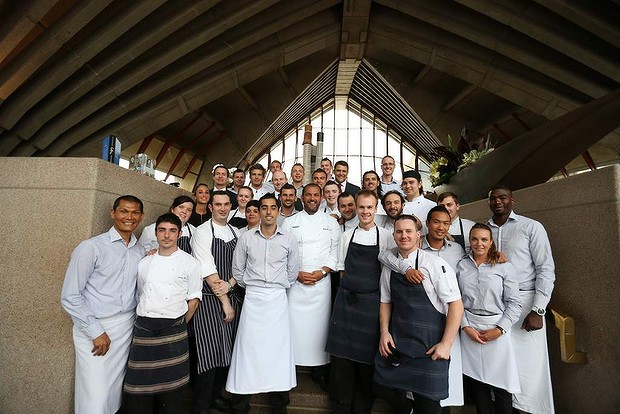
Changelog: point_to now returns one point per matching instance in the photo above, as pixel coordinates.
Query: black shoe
(221, 405)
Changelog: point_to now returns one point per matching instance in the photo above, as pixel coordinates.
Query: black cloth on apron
(460, 239)
(238, 222)
(184, 242)
(214, 337)
(354, 328)
(196, 219)
(159, 356)
(415, 327)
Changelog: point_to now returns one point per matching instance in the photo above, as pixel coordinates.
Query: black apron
(214, 337)
(354, 328)
(184, 242)
(415, 327)
(238, 222)
(460, 239)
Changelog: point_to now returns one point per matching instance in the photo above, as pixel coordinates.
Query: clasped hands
(220, 287)
(310, 278)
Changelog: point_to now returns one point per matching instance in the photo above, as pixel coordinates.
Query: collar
(512, 217)
(393, 181)
(114, 235)
(426, 246)
(258, 230)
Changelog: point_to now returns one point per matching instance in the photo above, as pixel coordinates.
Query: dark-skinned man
(525, 243)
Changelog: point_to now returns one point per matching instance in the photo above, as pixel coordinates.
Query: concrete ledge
(51, 205)
(581, 215)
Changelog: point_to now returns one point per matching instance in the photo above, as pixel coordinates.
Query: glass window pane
(393, 147)
(354, 141)
(367, 142)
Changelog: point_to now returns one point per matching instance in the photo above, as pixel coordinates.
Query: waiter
(436, 243)
(99, 293)
(524, 241)
(415, 202)
(169, 291)
(419, 323)
(354, 328)
(459, 227)
(215, 323)
(265, 263)
(317, 234)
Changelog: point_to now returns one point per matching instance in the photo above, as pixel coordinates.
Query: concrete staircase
(309, 398)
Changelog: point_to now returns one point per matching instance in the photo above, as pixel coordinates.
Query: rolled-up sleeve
(201, 248)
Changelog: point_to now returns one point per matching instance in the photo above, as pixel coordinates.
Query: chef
(317, 234)
(459, 227)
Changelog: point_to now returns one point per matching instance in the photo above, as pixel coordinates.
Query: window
(354, 135)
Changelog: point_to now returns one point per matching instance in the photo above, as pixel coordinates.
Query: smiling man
(436, 243)
(388, 183)
(341, 174)
(346, 207)
(169, 291)
(354, 328)
(419, 323)
(99, 293)
(525, 243)
(265, 263)
(317, 234)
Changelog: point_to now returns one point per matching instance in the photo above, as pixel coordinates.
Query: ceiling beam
(458, 98)
(105, 101)
(574, 12)
(353, 38)
(515, 16)
(171, 141)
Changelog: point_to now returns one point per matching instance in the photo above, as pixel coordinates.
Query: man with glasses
(388, 183)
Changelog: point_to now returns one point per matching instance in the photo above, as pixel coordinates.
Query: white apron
(99, 379)
(493, 363)
(536, 396)
(455, 377)
(262, 359)
(310, 307)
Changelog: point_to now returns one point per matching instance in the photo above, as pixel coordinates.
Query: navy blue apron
(415, 327)
(354, 328)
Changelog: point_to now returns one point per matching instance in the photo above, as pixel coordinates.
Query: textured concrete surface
(52, 204)
(581, 215)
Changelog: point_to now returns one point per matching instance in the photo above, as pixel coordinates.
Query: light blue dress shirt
(101, 280)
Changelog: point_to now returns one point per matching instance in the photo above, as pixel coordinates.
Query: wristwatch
(502, 330)
(539, 311)
(323, 271)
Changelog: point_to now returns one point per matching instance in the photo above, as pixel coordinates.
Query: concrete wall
(50, 205)
(581, 215)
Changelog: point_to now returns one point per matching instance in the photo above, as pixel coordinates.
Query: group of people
(379, 290)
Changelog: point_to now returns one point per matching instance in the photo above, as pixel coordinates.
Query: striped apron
(214, 337)
(415, 326)
(159, 356)
(354, 328)
(183, 242)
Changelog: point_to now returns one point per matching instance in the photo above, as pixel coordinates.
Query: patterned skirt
(159, 356)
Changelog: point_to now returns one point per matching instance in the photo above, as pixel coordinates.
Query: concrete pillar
(582, 217)
(49, 206)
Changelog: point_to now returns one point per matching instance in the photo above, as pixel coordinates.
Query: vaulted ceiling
(209, 78)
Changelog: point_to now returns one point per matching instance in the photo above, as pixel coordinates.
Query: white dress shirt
(439, 282)
(201, 244)
(365, 238)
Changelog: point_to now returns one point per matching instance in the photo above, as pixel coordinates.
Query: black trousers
(163, 403)
(351, 386)
(481, 393)
(208, 386)
(278, 400)
(402, 405)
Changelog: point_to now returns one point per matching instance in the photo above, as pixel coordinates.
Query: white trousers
(99, 379)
